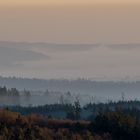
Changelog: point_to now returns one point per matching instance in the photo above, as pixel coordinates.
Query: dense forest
(113, 120)
(107, 125)
(87, 112)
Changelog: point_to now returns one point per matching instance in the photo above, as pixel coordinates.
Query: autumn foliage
(14, 126)
(108, 125)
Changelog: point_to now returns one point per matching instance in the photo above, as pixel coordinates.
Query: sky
(62, 2)
(70, 22)
(55, 22)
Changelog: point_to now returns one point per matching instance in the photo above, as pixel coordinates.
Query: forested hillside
(109, 125)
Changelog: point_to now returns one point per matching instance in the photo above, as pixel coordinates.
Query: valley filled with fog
(34, 92)
(111, 72)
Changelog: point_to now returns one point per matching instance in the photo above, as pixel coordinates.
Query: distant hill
(108, 89)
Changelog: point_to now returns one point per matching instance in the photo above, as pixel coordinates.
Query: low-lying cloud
(44, 60)
(12, 55)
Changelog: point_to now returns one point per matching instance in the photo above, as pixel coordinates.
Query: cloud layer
(43, 60)
(14, 54)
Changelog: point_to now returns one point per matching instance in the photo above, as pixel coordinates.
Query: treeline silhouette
(73, 111)
(9, 96)
(9, 92)
(78, 85)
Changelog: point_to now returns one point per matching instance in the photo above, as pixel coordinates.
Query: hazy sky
(62, 22)
(62, 2)
(70, 21)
